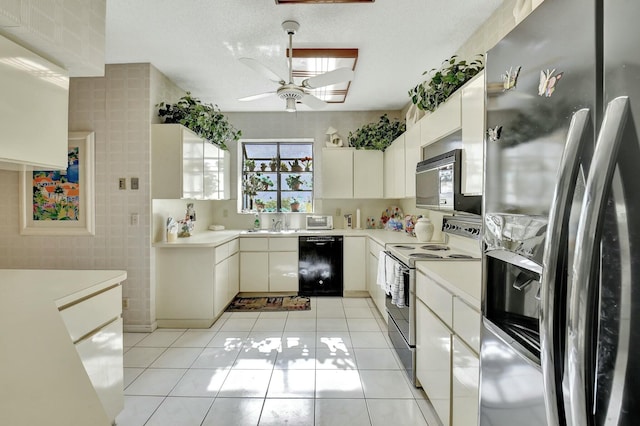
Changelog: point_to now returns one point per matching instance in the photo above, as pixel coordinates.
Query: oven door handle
(405, 268)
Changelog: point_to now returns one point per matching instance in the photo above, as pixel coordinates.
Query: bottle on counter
(423, 230)
(256, 221)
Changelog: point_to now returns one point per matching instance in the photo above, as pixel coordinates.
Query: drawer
(283, 244)
(438, 299)
(375, 248)
(90, 314)
(466, 323)
(254, 244)
(234, 246)
(222, 252)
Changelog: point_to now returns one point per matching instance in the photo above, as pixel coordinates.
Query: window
(277, 176)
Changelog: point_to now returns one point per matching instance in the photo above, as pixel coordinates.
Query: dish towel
(386, 272)
(397, 288)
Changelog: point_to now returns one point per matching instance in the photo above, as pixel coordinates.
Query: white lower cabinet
(268, 264)
(464, 385)
(354, 264)
(375, 291)
(194, 285)
(95, 327)
(447, 345)
(254, 272)
(283, 271)
(433, 360)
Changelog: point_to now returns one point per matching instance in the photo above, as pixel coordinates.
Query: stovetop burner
(435, 247)
(425, 256)
(460, 256)
(401, 247)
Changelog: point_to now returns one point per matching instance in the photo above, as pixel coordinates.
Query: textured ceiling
(197, 43)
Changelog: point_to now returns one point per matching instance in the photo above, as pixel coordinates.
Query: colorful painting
(60, 202)
(56, 193)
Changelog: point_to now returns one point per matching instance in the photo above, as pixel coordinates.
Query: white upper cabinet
(35, 109)
(412, 156)
(394, 169)
(443, 121)
(473, 124)
(352, 173)
(183, 165)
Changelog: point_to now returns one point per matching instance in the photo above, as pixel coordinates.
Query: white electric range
(461, 244)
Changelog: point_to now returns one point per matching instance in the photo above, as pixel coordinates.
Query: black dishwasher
(320, 265)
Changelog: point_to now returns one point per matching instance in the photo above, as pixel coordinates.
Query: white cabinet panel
(254, 271)
(283, 244)
(35, 110)
(102, 357)
(443, 121)
(394, 169)
(234, 277)
(437, 298)
(412, 156)
(185, 280)
(473, 125)
(283, 271)
(368, 173)
(354, 264)
(466, 323)
(337, 173)
(221, 288)
(87, 316)
(465, 384)
(433, 360)
(254, 244)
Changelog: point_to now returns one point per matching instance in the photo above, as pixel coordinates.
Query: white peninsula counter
(61, 347)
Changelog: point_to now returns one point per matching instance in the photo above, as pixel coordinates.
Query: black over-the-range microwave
(438, 184)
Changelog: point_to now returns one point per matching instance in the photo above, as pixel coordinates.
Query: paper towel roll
(358, 219)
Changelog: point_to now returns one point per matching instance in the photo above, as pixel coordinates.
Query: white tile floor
(331, 365)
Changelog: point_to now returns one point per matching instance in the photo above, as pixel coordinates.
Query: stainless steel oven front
(402, 319)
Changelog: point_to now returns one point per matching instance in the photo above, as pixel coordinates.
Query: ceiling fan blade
(313, 102)
(327, 79)
(262, 70)
(255, 97)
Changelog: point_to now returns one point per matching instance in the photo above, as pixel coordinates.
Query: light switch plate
(134, 183)
(122, 183)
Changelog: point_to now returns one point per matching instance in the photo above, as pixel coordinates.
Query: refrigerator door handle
(587, 242)
(558, 220)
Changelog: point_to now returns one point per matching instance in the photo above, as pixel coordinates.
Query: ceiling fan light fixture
(291, 105)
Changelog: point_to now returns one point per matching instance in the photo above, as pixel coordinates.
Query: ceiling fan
(288, 90)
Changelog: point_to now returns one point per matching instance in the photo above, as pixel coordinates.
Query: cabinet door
(412, 156)
(221, 287)
(433, 360)
(337, 173)
(473, 132)
(254, 272)
(192, 164)
(234, 277)
(465, 384)
(101, 356)
(368, 173)
(354, 264)
(184, 283)
(442, 122)
(394, 169)
(283, 271)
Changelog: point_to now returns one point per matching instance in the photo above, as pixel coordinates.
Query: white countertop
(43, 380)
(216, 238)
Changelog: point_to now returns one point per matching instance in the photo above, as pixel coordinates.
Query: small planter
(295, 207)
(296, 168)
(296, 186)
(273, 168)
(263, 167)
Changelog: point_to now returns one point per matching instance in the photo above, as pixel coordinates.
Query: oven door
(401, 314)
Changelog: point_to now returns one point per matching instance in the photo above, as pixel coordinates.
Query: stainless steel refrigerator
(561, 264)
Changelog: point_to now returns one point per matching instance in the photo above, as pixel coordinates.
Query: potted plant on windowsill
(294, 204)
(250, 165)
(295, 166)
(266, 182)
(273, 164)
(206, 120)
(294, 182)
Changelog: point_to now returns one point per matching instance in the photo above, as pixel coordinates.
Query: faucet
(276, 225)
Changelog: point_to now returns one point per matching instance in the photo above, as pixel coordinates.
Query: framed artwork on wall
(61, 202)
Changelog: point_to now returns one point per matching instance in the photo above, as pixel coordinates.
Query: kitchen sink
(268, 231)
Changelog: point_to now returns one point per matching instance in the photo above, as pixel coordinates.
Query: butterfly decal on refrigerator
(548, 82)
(510, 79)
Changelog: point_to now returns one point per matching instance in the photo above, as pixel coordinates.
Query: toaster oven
(315, 222)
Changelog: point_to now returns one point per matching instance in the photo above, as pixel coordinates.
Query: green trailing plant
(451, 75)
(205, 120)
(293, 181)
(377, 135)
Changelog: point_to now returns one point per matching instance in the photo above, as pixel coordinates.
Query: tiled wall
(70, 33)
(118, 108)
